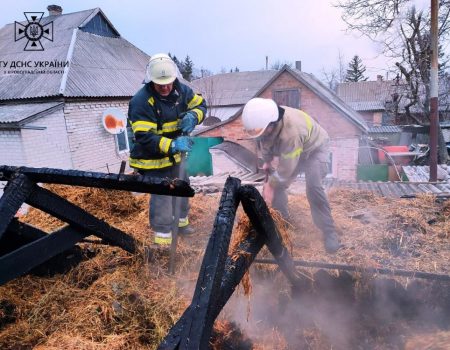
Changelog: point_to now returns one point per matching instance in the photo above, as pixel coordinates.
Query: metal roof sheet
(232, 88)
(16, 113)
(385, 129)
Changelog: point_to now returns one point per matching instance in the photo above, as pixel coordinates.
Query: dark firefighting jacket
(155, 121)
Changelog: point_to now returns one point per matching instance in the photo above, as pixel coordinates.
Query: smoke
(337, 312)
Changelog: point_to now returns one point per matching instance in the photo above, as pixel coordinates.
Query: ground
(113, 300)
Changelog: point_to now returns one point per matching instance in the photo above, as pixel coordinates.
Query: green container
(374, 172)
(199, 160)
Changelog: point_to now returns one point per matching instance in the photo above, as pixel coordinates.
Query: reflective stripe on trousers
(162, 208)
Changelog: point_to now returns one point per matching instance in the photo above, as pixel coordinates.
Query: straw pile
(117, 301)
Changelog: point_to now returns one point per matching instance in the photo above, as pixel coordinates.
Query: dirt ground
(113, 300)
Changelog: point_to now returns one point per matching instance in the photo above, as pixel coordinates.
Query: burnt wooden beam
(233, 272)
(18, 234)
(80, 219)
(25, 258)
(25, 230)
(198, 329)
(258, 212)
(135, 183)
(362, 269)
(14, 195)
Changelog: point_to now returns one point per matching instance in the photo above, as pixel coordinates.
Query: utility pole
(434, 116)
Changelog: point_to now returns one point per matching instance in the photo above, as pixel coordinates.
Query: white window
(122, 142)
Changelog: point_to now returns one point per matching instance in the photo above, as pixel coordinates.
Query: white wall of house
(91, 146)
(12, 152)
(48, 147)
(344, 157)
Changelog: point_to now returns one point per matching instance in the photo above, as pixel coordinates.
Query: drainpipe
(434, 117)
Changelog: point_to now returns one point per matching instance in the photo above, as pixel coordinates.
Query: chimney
(54, 10)
(379, 78)
(298, 65)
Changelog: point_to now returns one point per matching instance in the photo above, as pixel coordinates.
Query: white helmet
(258, 114)
(161, 69)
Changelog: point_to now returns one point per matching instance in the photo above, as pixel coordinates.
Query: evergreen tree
(178, 63)
(188, 67)
(355, 71)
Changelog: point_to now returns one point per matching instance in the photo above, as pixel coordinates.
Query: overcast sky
(219, 35)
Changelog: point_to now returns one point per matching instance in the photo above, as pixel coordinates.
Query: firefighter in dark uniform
(162, 114)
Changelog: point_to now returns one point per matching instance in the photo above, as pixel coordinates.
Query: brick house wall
(49, 147)
(91, 146)
(344, 134)
(12, 151)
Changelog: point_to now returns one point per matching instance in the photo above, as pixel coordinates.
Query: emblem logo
(33, 31)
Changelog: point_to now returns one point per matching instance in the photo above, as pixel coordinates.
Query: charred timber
(198, 329)
(80, 219)
(135, 183)
(14, 195)
(233, 273)
(25, 258)
(258, 212)
(369, 270)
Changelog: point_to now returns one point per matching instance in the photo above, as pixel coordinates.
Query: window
(287, 97)
(122, 142)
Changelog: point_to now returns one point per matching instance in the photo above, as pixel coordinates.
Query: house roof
(101, 62)
(239, 153)
(373, 95)
(366, 95)
(385, 129)
(22, 113)
(307, 79)
(232, 88)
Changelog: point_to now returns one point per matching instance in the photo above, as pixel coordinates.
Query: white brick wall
(92, 147)
(345, 157)
(11, 150)
(49, 147)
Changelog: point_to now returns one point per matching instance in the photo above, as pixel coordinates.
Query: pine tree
(177, 62)
(188, 67)
(355, 71)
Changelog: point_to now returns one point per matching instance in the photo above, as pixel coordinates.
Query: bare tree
(404, 32)
(278, 65)
(335, 75)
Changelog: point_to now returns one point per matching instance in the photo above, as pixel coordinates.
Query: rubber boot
(331, 242)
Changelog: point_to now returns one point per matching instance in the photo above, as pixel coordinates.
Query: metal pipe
(353, 268)
(434, 117)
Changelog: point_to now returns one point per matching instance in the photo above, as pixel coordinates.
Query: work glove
(181, 144)
(188, 123)
(268, 193)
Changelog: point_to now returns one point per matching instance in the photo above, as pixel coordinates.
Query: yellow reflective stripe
(183, 222)
(170, 126)
(141, 125)
(293, 154)
(145, 126)
(309, 124)
(163, 240)
(154, 163)
(164, 144)
(196, 101)
(199, 113)
(151, 101)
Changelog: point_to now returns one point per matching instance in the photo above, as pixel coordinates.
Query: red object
(399, 160)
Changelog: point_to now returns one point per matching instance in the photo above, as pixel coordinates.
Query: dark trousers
(162, 208)
(315, 167)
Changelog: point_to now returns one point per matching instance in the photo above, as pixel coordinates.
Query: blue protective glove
(181, 144)
(188, 123)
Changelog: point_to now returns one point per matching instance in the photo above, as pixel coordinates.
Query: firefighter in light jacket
(292, 142)
(162, 114)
